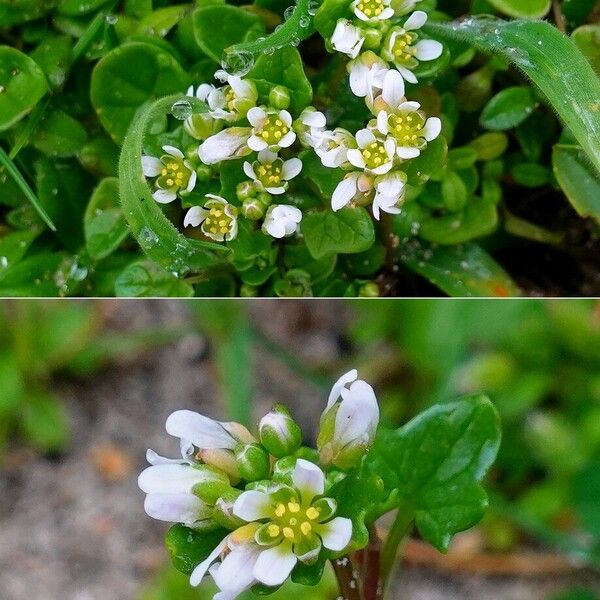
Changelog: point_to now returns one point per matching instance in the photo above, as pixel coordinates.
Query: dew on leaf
(181, 110)
(238, 63)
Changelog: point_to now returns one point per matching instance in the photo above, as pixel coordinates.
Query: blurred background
(85, 388)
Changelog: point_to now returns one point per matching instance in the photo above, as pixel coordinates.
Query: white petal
(257, 143)
(416, 20)
(287, 140)
(382, 122)
(286, 117)
(277, 191)
(224, 145)
(364, 137)
(173, 151)
(274, 228)
(336, 534)
(387, 13)
(391, 185)
(156, 459)
(267, 156)
(406, 152)
(314, 118)
(249, 171)
(200, 430)
(164, 196)
(393, 88)
(253, 505)
(358, 80)
(308, 479)
(234, 574)
(356, 158)
(433, 128)
(291, 168)
(409, 106)
(170, 478)
(151, 166)
(274, 565)
(192, 182)
(428, 50)
(200, 571)
(174, 508)
(390, 147)
(407, 74)
(256, 116)
(194, 216)
(344, 192)
(358, 414)
(345, 379)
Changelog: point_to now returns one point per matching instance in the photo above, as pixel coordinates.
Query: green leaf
(217, 27)
(44, 421)
(22, 85)
(129, 77)
(145, 278)
(104, 224)
(189, 547)
(14, 245)
(459, 271)
(437, 461)
(32, 276)
(53, 55)
(283, 67)
(587, 38)
(508, 108)
(551, 60)
(347, 231)
(578, 180)
(155, 233)
(324, 178)
(74, 8)
(328, 14)
(58, 134)
(522, 9)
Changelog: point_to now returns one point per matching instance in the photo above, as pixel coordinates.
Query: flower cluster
(271, 497)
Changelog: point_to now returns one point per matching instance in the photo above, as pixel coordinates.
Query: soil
(72, 527)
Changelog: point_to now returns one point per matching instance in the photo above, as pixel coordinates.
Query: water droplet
(238, 63)
(295, 41)
(304, 21)
(313, 7)
(148, 237)
(3, 262)
(268, 51)
(288, 12)
(1, 89)
(181, 110)
(111, 19)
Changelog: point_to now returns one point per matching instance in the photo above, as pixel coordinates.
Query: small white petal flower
(229, 144)
(310, 127)
(355, 187)
(347, 38)
(151, 166)
(349, 421)
(174, 174)
(403, 47)
(270, 129)
(270, 173)
(217, 218)
(233, 101)
(281, 220)
(367, 74)
(389, 193)
(374, 156)
(333, 147)
(373, 10)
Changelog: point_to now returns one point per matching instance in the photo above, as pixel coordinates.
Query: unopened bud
(245, 190)
(223, 460)
(252, 462)
(201, 126)
(369, 290)
(253, 209)
(279, 97)
(223, 510)
(248, 291)
(373, 38)
(279, 433)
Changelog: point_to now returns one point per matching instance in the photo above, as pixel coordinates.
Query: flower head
(367, 73)
(310, 126)
(281, 220)
(349, 421)
(347, 38)
(270, 129)
(228, 144)
(270, 173)
(373, 10)
(374, 156)
(389, 193)
(355, 187)
(174, 174)
(233, 101)
(218, 218)
(333, 148)
(403, 47)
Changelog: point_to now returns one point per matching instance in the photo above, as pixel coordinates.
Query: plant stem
(559, 18)
(401, 527)
(347, 579)
(371, 582)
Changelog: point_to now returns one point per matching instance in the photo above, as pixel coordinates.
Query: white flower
(202, 91)
(356, 187)
(226, 145)
(270, 129)
(367, 73)
(173, 172)
(372, 10)
(373, 156)
(349, 421)
(404, 121)
(403, 47)
(281, 220)
(310, 126)
(347, 38)
(389, 192)
(170, 494)
(218, 218)
(233, 101)
(270, 173)
(333, 147)
(202, 125)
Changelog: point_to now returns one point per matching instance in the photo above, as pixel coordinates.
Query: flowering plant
(252, 511)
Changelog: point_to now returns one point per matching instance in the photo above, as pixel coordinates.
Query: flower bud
(248, 291)
(279, 97)
(253, 209)
(279, 433)
(373, 38)
(223, 510)
(203, 172)
(210, 490)
(348, 423)
(369, 290)
(223, 460)
(252, 461)
(246, 190)
(201, 126)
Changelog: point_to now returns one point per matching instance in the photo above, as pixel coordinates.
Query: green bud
(222, 459)
(279, 97)
(223, 510)
(210, 491)
(253, 209)
(279, 433)
(246, 190)
(369, 290)
(265, 198)
(248, 291)
(253, 462)
(373, 38)
(204, 173)
(201, 126)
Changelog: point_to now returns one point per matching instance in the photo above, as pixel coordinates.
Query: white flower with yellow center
(218, 218)
(272, 174)
(373, 155)
(403, 47)
(310, 126)
(333, 148)
(347, 38)
(373, 10)
(281, 220)
(202, 125)
(228, 144)
(389, 193)
(233, 101)
(270, 129)
(174, 174)
(367, 73)
(358, 188)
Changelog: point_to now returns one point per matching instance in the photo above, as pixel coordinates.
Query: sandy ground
(73, 527)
